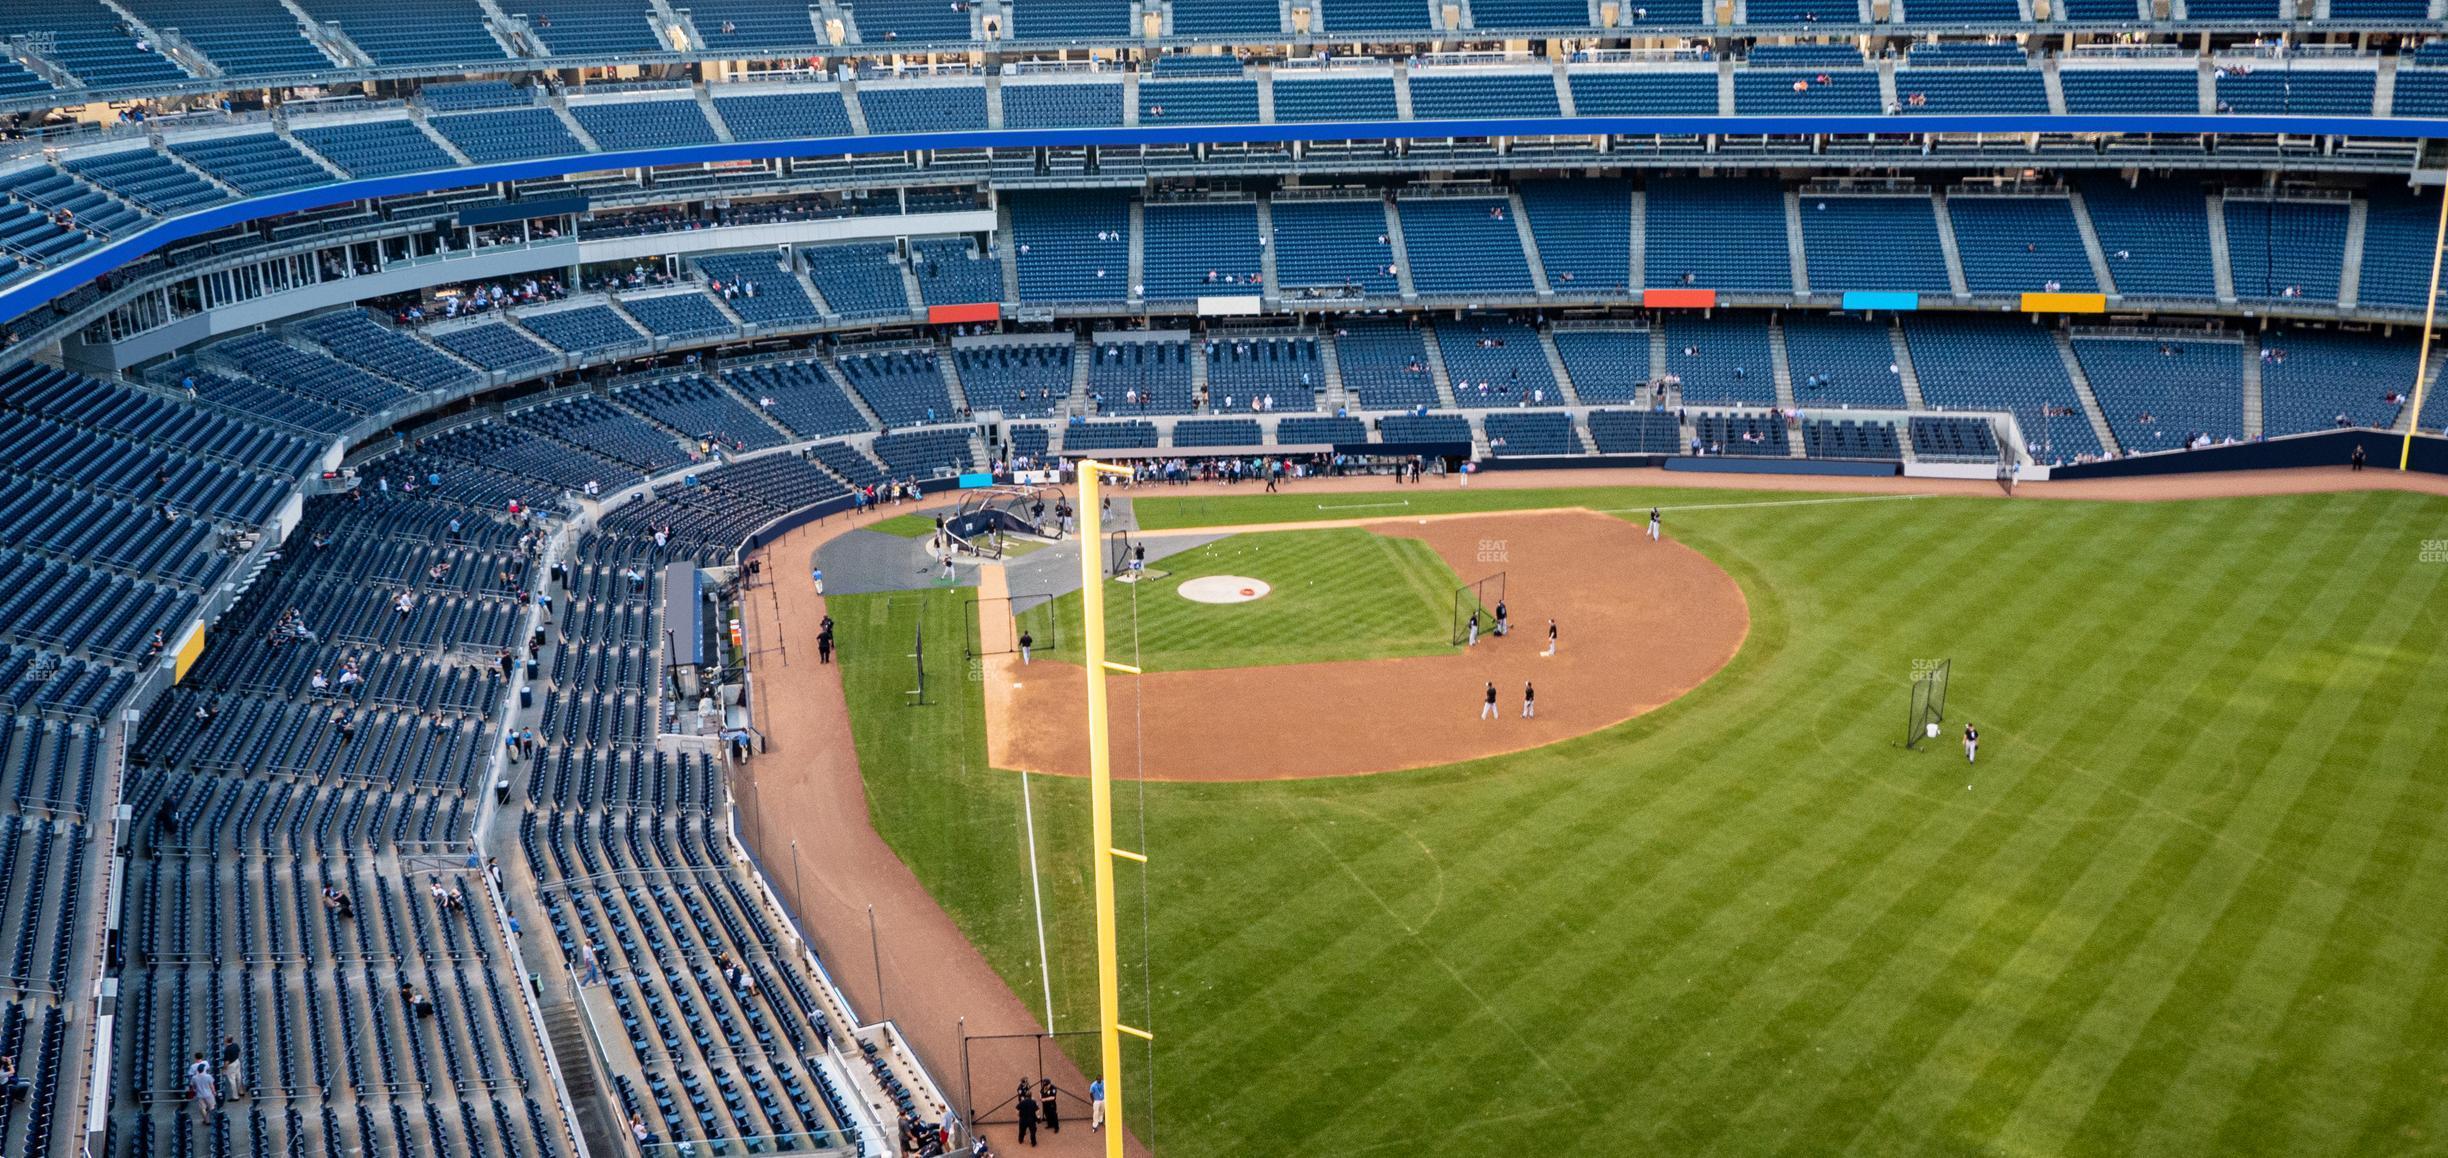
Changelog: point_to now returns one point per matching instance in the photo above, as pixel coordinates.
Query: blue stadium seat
(1459, 95)
(1721, 360)
(1726, 234)
(442, 32)
(1606, 366)
(1644, 93)
(1873, 243)
(1198, 101)
(376, 148)
(2015, 245)
(1338, 246)
(1300, 99)
(779, 116)
(648, 124)
(1056, 243)
(1062, 105)
(2157, 393)
(508, 136)
(1838, 361)
(2130, 89)
(2155, 236)
(1463, 246)
(1202, 249)
(859, 279)
(253, 164)
(920, 108)
(243, 37)
(1584, 233)
(1024, 380)
(2286, 250)
(1992, 364)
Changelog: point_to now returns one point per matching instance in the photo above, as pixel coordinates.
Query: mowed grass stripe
(1907, 1045)
(2018, 1027)
(2133, 1099)
(2098, 1021)
(1985, 1034)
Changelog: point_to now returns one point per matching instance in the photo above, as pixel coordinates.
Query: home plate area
(1223, 589)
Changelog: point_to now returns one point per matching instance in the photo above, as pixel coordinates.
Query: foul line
(1045, 971)
(1771, 503)
(1360, 506)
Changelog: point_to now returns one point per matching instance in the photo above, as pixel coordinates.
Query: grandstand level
(518, 524)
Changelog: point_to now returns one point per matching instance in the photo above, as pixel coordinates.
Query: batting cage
(1122, 553)
(1477, 598)
(996, 625)
(1929, 694)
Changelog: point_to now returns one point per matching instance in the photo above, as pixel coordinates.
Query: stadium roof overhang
(23, 298)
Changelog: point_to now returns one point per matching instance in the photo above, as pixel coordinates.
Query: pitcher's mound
(1223, 589)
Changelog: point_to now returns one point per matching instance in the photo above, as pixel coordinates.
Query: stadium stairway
(1268, 286)
(910, 287)
(1908, 378)
(1436, 366)
(560, 109)
(1657, 362)
(1138, 249)
(1010, 253)
(1529, 244)
(1555, 366)
(1640, 240)
(808, 285)
(1402, 265)
(1793, 247)
(833, 369)
(1956, 282)
(2252, 386)
(1083, 359)
(1331, 395)
(2222, 276)
(2350, 277)
(2082, 390)
(953, 387)
(2090, 239)
(1780, 368)
(713, 115)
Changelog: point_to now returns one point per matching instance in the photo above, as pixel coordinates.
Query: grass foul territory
(2192, 900)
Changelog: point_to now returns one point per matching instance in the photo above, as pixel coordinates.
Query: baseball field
(2193, 899)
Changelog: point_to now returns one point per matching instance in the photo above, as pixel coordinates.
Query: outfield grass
(2194, 899)
(1340, 594)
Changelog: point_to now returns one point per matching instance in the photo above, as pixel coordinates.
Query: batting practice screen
(1929, 693)
(1478, 598)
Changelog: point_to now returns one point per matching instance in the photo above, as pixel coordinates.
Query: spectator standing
(201, 1088)
(232, 1068)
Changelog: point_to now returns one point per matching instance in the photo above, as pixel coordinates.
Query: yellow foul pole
(2422, 361)
(1100, 795)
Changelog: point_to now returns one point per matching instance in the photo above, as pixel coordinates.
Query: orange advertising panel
(1679, 299)
(980, 312)
(2065, 303)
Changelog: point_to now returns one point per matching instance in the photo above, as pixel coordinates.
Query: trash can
(532, 668)
(501, 791)
(526, 695)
